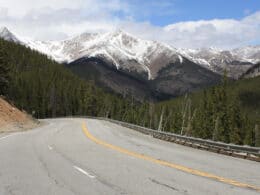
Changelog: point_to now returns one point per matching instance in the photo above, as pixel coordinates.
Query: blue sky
(180, 23)
(164, 12)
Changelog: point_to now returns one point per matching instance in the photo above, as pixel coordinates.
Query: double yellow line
(168, 164)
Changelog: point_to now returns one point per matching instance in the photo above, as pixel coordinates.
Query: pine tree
(4, 71)
(215, 134)
(177, 122)
(249, 132)
(257, 136)
(184, 111)
(223, 111)
(235, 123)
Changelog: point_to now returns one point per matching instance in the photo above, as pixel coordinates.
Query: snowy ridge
(236, 61)
(249, 53)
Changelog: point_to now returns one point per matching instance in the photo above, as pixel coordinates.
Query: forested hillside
(229, 112)
(45, 88)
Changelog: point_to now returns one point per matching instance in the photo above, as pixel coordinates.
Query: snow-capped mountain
(235, 62)
(119, 48)
(125, 64)
(126, 52)
(249, 53)
(7, 35)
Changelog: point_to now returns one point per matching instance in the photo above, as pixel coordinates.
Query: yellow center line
(168, 164)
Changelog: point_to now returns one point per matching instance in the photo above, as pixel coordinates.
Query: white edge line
(84, 172)
(7, 136)
(50, 148)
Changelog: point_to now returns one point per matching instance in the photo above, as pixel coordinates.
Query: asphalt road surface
(89, 157)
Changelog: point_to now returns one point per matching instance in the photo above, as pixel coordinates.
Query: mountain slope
(228, 112)
(246, 91)
(180, 78)
(173, 80)
(111, 79)
(252, 72)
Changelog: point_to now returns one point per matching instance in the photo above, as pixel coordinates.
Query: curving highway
(87, 156)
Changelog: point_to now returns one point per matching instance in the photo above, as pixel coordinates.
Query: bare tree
(216, 126)
(190, 120)
(161, 120)
(184, 112)
(151, 112)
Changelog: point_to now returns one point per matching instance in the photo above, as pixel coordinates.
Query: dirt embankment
(12, 119)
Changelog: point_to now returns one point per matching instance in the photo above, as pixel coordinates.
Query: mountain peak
(4, 30)
(120, 32)
(6, 34)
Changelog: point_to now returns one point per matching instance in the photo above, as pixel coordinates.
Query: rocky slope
(12, 119)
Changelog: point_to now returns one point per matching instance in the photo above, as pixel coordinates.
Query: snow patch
(180, 59)
(103, 53)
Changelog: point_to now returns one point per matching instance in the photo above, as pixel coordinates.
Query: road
(87, 156)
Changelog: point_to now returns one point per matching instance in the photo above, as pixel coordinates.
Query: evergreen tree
(4, 71)
(249, 132)
(235, 123)
(257, 136)
(177, 122)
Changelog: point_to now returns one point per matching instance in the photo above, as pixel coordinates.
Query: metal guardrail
(246, 152)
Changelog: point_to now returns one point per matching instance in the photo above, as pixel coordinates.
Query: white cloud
(58, 19)
(219, 33)
(20, 8)
(224, 33)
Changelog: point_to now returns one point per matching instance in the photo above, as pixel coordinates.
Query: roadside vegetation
(229, 113)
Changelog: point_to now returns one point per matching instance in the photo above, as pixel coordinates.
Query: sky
(180, 23)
